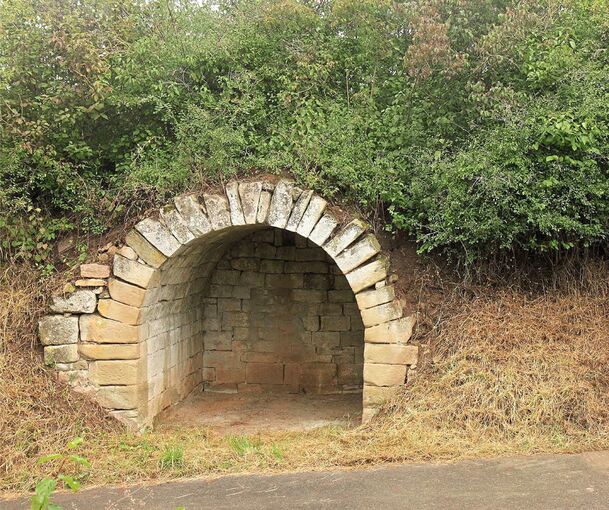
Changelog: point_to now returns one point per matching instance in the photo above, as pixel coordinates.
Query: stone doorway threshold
(256, 412)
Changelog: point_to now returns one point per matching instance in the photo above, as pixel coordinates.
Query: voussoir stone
(391, 354)
(315, 209)
(176, 224)
(133, 272)
(298, 210)
(80, 301)
(357, 254)
(323, 229)
(345, 237)
(126, 293)
(117, 311)
(159, 236)
(144, 249)
(398, 331)
(367, 275)
(281, 204)
(234, 203)
(381, 313)
(374, 297)
(94, 328)
(192, 212)
(217, 211)
(250, 198)
(264, 204)
(58, 330)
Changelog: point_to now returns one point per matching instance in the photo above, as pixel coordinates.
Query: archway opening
(274, 339)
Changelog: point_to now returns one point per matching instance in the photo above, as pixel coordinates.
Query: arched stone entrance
(259, 287)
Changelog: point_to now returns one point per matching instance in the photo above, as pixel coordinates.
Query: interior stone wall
(281, 317)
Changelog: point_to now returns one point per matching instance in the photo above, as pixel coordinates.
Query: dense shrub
(479, 126)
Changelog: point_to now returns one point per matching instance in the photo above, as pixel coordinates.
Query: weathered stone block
(58, 330)
(384, 375)
(281, 204)
(391, 354)
(133, 272)
(114, 372)
(249, 192)
(382, 313)
(375, 297)
(377, 395)
(125, 293)
(90, 282)
(117, 311)
(159, 236)
(366, 276)
(350, 374)
(109, 351)
(326, 339)
(236, 211)
(298, 210)
(345, 237)
(398, 331)
(335, 323)
(309, 295)
(144, 249)
(94, 328)
(318, 377)
(284, 281)
(323, 229)
(217, 211)
(80, 301)
(263, 207)
(94, 271)
(120, 397)
(176, 224)
(351, 338)
(245, 264)
(357, 254)
(315, 209)
(271, 266)
(60, 354)
(189, 208)
(340, 296)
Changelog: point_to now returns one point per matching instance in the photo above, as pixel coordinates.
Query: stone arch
(127, 322)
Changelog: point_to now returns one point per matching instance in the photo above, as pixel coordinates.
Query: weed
(172, 457)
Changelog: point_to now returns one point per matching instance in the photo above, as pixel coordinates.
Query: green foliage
(172, 457)
(478, 126)
(41, 500)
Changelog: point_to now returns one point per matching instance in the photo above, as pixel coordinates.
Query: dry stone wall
(136, 333)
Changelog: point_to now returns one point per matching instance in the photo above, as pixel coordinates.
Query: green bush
(480, 127)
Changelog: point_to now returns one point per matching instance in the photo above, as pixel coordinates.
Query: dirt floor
(250, 412)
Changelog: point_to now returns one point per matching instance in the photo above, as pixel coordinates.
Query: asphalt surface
(540, 482)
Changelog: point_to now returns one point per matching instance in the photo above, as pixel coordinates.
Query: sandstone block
(263, 207)
(318, 378)
(391, 354)
(159, 236)
(375, 297)
(309, 295)
(125, 293)
(114, 372)
(236, 211)
(351, 338)
(335, 323)
(345, 237)
(306, 267)
(367, 275)
(382, 313)
(323, 229)
(218, 340)
(298, 210)
(189, 208)
(340, 296)
(58, 330)
(144, 249)
(60, 354)
(281, 204)
(264, 373)
(94, 328)
(377, 395)
(80, 301)
(350, 374)
(398, 331)
(326, 339)
(120, 312)
(176, 224)
(249, 192)
(271, 266)
(217, 211)
(357, 254)
(384, 375)
(127, 252)
(94, 271)
(90, 282)
(109, 351)
(133, 272)
(315, 209)
(284, 281)
(120, 397)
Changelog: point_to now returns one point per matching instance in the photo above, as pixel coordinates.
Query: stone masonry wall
(280, 316)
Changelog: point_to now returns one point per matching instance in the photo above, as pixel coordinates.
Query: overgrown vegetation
(479, 127)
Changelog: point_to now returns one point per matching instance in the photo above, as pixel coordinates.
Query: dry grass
(510, 370)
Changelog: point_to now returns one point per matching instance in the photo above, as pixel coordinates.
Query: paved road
(542, 482)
